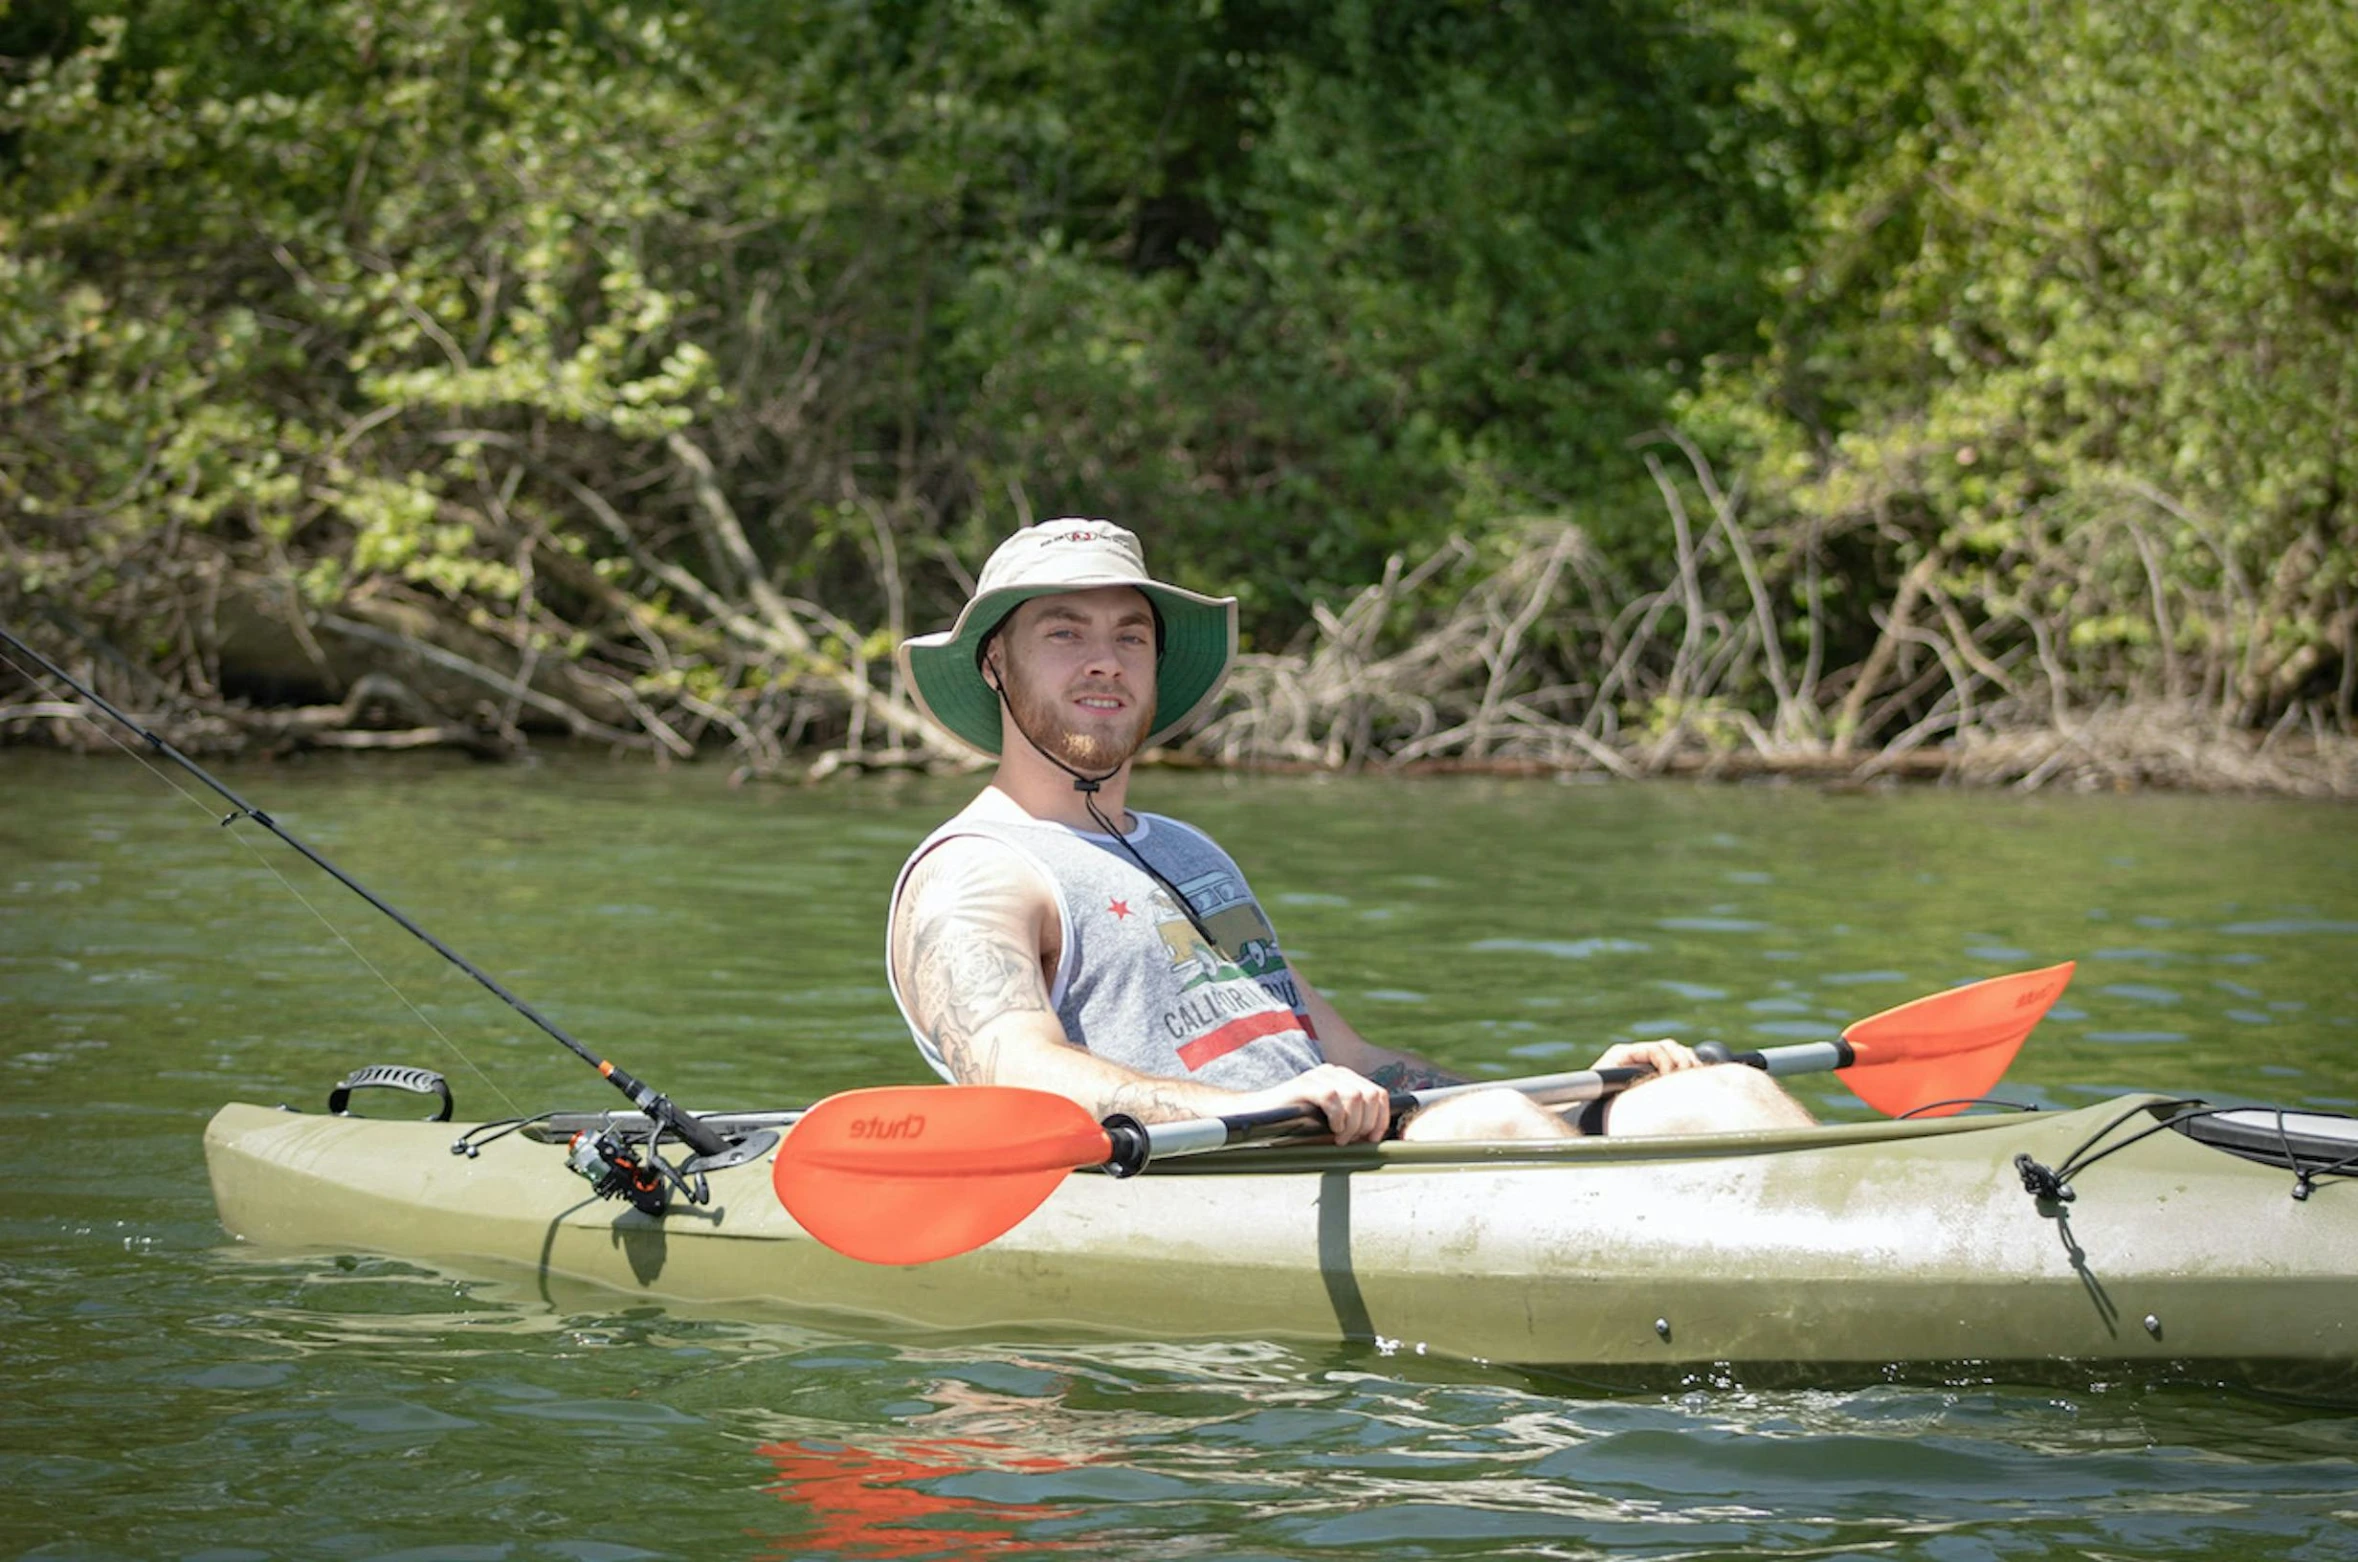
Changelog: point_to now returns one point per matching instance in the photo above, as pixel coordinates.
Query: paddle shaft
(658, 1107)
(1137, 1144)
(1810, 1057)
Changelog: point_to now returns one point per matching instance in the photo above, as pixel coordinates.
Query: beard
(1094, 751)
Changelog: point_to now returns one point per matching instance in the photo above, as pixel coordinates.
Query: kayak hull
(1852, 1246)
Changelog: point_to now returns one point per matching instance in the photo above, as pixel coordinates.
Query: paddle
(1933, 1056)
(909, 1174)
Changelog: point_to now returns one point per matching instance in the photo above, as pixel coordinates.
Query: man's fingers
(1355, 1106)
(1664, 1057)
(1348, 1119)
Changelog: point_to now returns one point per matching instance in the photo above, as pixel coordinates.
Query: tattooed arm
(970, 952)
(973, 943)
(1345, 1046)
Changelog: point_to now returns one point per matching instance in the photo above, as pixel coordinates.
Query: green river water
(170, 1394)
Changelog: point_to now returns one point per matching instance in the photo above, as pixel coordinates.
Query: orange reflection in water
(867, 1502)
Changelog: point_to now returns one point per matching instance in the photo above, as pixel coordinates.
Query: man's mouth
(1099, 702)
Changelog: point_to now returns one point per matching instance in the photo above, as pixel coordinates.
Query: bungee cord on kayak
(614, 1163)
(2232, 1128)
(1950, 1104)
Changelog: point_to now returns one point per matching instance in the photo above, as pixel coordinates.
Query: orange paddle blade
(1951, 1046)
(909, 1174)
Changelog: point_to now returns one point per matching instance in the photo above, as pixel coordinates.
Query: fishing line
(288, 884)
(665, 1116)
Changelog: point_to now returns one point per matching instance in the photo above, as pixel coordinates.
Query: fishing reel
(615, 1169)
(621, 1158)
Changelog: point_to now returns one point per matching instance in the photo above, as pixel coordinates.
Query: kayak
(2226, 1242)
(2116, 1233)
(2123, 1232)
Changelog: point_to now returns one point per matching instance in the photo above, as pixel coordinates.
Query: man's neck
(1028, 780)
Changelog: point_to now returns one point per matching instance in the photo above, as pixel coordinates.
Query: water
(172, 1395)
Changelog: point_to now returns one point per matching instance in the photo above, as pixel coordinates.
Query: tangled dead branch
(1524, 654)
(1541, 662)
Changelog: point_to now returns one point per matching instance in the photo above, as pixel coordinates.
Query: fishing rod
(710, 1147)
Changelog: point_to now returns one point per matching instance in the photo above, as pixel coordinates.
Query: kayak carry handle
(392, 1076)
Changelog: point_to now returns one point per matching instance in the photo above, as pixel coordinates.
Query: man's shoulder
(1181, 829)
(975, 828)
(958, 863)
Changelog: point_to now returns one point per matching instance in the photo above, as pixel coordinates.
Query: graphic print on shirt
(1232, 994)
(1246, 945)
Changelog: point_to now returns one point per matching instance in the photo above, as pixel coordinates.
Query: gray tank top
(1137, 985)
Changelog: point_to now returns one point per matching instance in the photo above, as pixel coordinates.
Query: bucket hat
(1198, 632)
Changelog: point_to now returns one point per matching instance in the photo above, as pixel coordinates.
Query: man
(1047, 936)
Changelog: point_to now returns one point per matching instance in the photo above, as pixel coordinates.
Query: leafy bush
(2076, 328)
(664, 365)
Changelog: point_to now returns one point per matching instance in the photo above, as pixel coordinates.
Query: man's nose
(1104, 658)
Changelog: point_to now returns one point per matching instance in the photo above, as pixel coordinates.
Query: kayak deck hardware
(617, 1154)
(392, 1076)
(616, 1166)
(2313, 1146)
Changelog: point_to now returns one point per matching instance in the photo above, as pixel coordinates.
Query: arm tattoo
(968, 964)
(1150, 1101)
(1400, 1076)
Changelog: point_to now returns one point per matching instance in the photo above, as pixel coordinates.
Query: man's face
(1078, 669)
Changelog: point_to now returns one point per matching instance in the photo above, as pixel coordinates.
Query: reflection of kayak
(1857, 1244)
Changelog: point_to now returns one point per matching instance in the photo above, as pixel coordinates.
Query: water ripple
(172, 1395)
(1560, 949)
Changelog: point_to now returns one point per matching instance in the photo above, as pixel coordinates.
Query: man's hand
(1664, 1057)
(1355, 1107)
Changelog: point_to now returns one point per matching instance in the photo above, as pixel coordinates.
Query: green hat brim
(1199, 647)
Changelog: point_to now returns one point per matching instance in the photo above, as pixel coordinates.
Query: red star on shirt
(1120, 908)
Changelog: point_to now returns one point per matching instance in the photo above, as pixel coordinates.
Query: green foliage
(2083, 281)
(266, 313)
(1437, 267)
(512, 309)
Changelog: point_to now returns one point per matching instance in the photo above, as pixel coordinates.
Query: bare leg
(1723, 1098)
(1486, 1114)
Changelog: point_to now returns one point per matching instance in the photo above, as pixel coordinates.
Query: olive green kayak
(1851, 1246)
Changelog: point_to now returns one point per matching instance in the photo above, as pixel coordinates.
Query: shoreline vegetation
(1954, 392)
(1524, 667)
(1460, 691)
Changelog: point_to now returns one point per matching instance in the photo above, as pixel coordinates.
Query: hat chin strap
(1087, 786)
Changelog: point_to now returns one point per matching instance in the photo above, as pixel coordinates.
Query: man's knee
(1485, 1114)
(1722, 1098)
